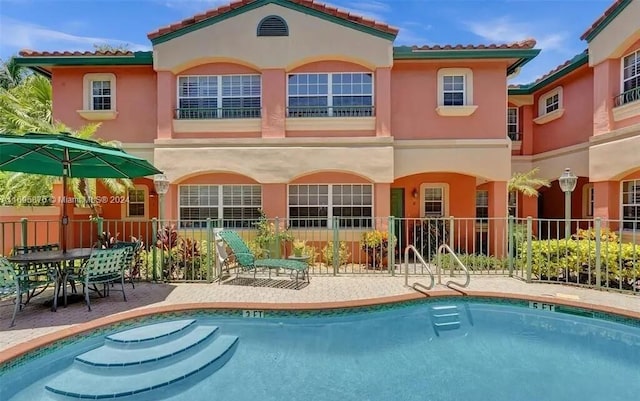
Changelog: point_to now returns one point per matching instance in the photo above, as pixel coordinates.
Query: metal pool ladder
(424, 264)
(441, 250)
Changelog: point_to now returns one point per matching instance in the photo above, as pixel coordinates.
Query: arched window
(273, 26)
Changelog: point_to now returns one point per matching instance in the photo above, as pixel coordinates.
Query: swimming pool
(449, 349)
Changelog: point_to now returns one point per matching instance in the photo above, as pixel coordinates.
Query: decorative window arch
(273, 26)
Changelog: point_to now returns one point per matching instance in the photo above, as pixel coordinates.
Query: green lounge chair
(247, 260)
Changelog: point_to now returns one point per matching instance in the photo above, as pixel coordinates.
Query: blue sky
(78, 24)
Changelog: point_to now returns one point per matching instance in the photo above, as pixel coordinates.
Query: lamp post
(161, 183)
(568, 182)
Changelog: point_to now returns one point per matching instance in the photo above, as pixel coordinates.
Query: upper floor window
(330, 94)
(631, 204)
(550, 102)
(315, 205)
(273, 26)
(219, 96)
(630, 79)
(512, 124)
(98, 97)
(550, 106)
(455, 92)
(236, 205)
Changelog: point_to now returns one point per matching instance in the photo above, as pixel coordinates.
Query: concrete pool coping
(564, 295)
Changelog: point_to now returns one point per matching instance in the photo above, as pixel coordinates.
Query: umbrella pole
(65, 217)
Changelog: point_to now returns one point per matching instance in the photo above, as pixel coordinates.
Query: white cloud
(504, 29)
(17, 35)
(412, 33)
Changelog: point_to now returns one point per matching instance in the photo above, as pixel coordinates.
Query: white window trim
(330, 90)
(125, 205)
(456, 111)
(517, 124)
(588, 197)
(330, 204)
(517, 205)
(622, 68)
(622, 202)
(543, 116)
(221, 204)
(219, 96)
(97, 115)
(445, 194)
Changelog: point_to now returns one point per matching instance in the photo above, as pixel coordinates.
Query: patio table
(59, 258)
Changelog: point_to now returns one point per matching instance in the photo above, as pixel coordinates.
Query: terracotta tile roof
(601, 19)
(33, 53)
(329, 10)
(524, 44)
(553, 71)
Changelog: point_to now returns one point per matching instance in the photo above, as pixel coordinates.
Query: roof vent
(273, 26)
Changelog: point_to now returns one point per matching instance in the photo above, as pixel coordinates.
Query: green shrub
(574, 260)
(343, 254)
(475, 262)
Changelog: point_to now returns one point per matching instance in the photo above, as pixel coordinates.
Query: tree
(28, 108)
(11, 74)
(527, 183)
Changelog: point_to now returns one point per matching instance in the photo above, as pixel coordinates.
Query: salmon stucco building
(309, 113)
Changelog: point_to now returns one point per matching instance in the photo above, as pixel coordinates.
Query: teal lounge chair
(247, 260)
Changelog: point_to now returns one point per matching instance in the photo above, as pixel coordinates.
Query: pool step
(110, 356)
(156, 333)
(445, 317)
(164, 358)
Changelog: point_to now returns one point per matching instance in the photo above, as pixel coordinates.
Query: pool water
(440, 351)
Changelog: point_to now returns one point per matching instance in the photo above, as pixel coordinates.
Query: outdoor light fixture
(161, 183)
(415, 193)
(568, 182)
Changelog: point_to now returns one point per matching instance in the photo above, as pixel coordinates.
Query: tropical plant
(167, 237)
(527, 183)
(106, 240)
(328, 253)
(376, 244)
(268, 237)
(11, 73)
(298, 247)
(429, 234)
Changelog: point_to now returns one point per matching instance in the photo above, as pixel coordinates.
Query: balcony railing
(627, 97)
(333, 111)
(515, 136)
(219, 113)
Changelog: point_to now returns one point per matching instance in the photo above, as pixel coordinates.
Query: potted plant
(376, 245)
(298, 247)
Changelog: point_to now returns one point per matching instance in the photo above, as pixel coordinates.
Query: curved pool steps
(184, 354)
(109, 356)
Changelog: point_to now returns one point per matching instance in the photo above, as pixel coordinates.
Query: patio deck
(37, 320)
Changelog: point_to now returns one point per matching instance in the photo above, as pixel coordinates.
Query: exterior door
(397, 211)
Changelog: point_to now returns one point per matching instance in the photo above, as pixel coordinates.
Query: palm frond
(527, 183)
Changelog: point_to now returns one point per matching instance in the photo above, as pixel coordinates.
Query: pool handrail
(441, 249)
(424, 264)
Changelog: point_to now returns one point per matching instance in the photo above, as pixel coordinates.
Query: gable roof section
(560, 71)
(523, 51)
(604, 20)
(309, 7)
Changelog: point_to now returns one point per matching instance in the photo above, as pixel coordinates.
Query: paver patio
(36, 319)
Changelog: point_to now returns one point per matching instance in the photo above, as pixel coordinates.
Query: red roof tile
(553, 71)
(601, 19)
(524, 44)
(33, 53)
(326, 9)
